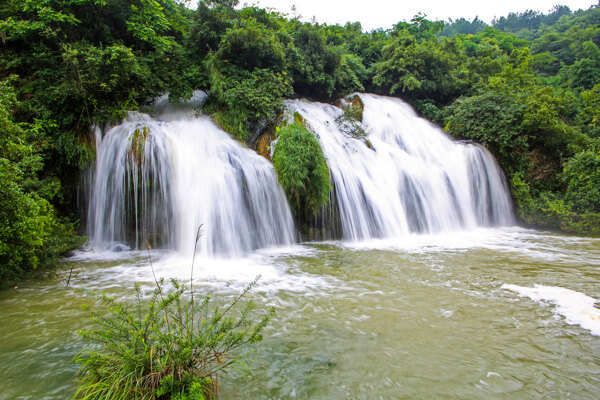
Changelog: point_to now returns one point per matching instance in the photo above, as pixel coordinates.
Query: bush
(549, 210)
(245, 94)
(492, 119)
(582, 178)
(302, 170)
(172, 350)
(243, 100)
(32, 238)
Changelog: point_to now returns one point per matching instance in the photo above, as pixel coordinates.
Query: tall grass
(165, 348)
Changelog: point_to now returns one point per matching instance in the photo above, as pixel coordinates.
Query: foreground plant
(169, 349)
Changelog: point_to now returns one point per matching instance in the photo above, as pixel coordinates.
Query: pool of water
(493, 313)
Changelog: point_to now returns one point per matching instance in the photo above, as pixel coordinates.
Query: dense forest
(527, 88)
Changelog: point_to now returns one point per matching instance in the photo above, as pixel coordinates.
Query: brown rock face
(359, 106)
(545, 166)
(263, 146)
(356, 106)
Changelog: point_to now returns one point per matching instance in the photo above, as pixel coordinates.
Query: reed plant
(166, 348)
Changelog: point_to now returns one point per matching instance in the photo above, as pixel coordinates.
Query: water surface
(425, 316)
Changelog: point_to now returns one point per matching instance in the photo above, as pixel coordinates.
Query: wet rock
(263, 146)
(357, 104)
(119, 247)
(138, 143)
(544, 167)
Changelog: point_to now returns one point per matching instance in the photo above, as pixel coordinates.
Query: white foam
(576, 307)
(219, 273)
(411, 177)
(504, 238)
(519, 242)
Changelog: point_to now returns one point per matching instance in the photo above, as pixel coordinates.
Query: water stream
(426, 316)
(407, 176)
(159, 178)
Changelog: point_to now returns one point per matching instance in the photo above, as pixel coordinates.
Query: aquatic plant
(171, 348)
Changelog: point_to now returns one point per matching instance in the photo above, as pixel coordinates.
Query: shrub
(549, 210)
(171, 350)
(247, 75)
(582, 178)
(32, 238)
(240, 100)
(302, 170)
(493, 119)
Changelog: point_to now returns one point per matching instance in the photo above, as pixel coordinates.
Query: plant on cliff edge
(302, 170)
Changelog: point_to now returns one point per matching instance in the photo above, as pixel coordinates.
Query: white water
(414, 179)
(190, 172)
(576, 307)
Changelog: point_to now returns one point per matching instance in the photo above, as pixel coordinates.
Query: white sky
(374, 14)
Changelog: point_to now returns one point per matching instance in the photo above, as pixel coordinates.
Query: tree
(582, 179)
(415, 69)
(31, 237)
(495, 120)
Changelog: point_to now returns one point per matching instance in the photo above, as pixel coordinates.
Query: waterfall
(406, 175)
(159, 178)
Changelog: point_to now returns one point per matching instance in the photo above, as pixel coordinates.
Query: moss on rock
(302, 170)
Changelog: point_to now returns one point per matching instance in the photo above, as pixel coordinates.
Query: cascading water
(409, 176)
(158, 179)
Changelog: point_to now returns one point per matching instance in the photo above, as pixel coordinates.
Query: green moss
(298, 118)
(138, 143)
(302, 170)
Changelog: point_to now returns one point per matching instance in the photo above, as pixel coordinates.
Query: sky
(374, 14)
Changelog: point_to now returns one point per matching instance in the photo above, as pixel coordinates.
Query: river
(494, 313)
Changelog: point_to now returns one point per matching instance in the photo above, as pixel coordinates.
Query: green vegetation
(582, 177)
(349, 120)
(302, 170)
(534, 103)
(169, 349)
(527, 87)
(32, 237)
